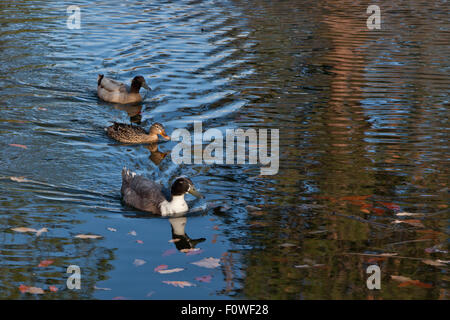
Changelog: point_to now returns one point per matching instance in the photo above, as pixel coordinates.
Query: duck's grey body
(146, 195)
(117, 92)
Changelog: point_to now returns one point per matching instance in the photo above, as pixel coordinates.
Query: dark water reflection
(363, 136)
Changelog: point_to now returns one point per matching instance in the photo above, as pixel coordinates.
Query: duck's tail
(127, 175)
(99, 79)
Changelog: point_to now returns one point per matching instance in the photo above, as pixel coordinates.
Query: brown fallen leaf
(416, 283)
(180, 284)
(207, 263)
(406, 281)
(87, 236)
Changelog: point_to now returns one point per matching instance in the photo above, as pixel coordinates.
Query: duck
(146, 195)
(114, 91)
(127, 133)
(180, 238)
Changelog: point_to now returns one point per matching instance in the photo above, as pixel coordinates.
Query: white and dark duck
(146, 195)
(182, 240)
(127, 133)
(117, 92)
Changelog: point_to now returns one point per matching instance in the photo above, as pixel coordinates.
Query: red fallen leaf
(140, 241)
(390, 206)
(53, 288)
(23, 288)
(45, 263)
(416, 283)
(18, 145)
(214, 239)
(161, 267)
(206, 278)
(119, 298)
(216, 227)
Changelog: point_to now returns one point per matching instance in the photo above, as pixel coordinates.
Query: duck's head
(139, 82)
(158, 128)
(183, 185)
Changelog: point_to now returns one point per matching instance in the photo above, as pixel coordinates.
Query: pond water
(363, 166)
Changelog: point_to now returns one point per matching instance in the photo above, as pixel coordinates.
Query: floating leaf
(416, 283)
(99, 288)
(415, 223)
(287, 245)
(19, 179)
(206, 278)
(25, 229)
(161, 267)
(45, 263)
(119, 298)
(170, 270)
(53, 289)
(140, 241)
(434, 263)
(409, 214)
(18, 145)
(180, 284)
(405, 281)
(87, 236)
(34, 290)
(133, 233)
(208, 263)
(192, 251)
(400, 278)
(139, 262)
(150, 293)
(111, 229)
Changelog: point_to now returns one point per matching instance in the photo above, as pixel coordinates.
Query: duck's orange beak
(164, 135)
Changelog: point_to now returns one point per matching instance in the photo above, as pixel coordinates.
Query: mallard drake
(117, 92)
(144, 194)
(133, 134)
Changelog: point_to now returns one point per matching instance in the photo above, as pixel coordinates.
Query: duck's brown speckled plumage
(130, 134)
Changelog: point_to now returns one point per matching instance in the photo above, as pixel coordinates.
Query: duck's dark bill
(194, 192)
(145, 86)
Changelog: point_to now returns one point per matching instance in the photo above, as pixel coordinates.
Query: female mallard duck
(132, 134)
(144, 194)
(117, 92)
